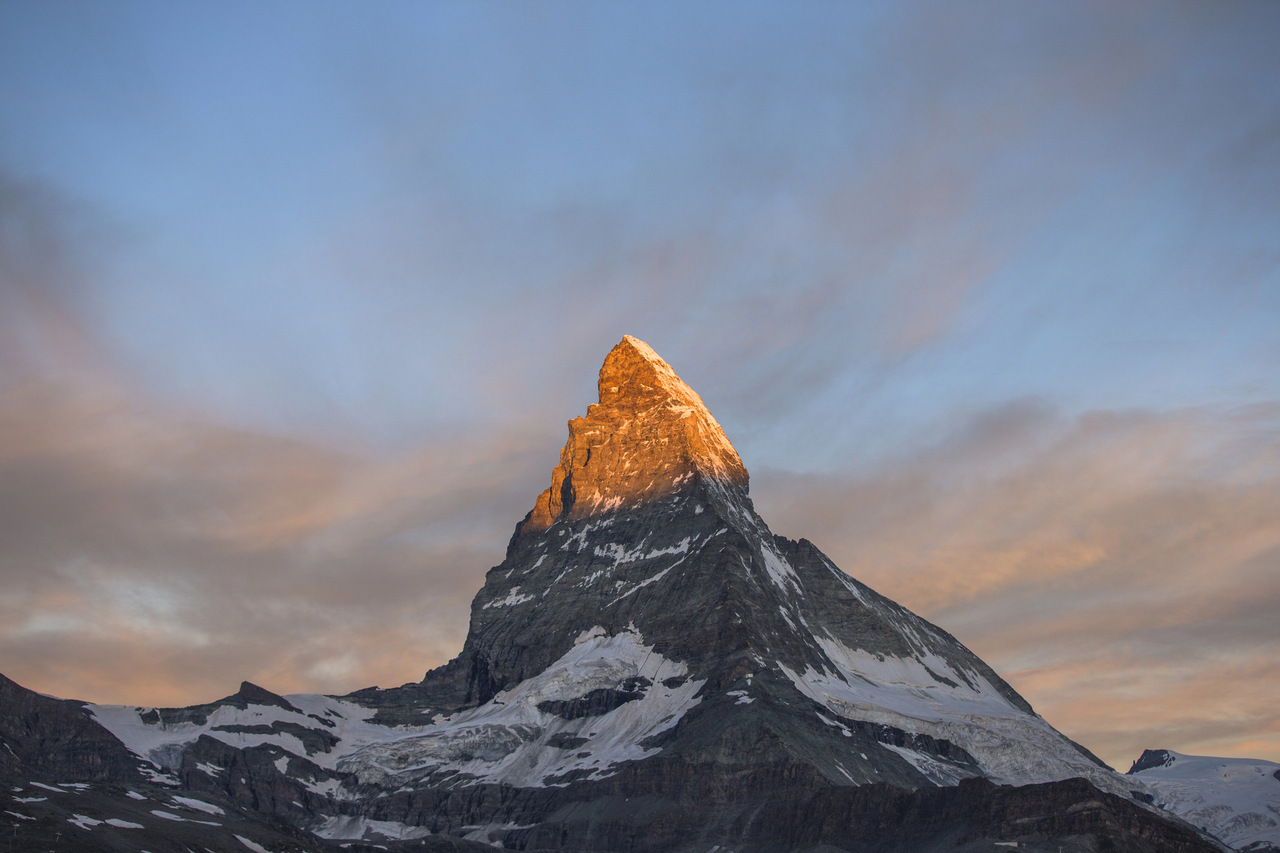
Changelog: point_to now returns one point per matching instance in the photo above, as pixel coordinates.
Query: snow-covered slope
(592, 709)
(579, 719)
(924, 694)
(1236, 799)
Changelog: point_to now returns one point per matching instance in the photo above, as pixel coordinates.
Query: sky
(296, 299)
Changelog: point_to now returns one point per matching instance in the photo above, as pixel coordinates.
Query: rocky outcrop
(248, 694)
(649, 434)
(1150, 758)
(265, 780)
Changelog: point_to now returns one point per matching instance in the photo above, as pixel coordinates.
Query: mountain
(650, 668)
(643, 577)
(1236, 799)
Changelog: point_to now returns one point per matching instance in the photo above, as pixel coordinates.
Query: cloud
(132, 534)
(1118, 567)
(158, 554)
(842, 233)
(46, 244)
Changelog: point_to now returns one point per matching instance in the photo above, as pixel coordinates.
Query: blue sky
(298, 296)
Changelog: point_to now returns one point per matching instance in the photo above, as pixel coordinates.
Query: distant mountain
(648, 669)
(1236, 799)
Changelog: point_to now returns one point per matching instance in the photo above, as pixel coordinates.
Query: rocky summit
(648, 435)
(650, 668)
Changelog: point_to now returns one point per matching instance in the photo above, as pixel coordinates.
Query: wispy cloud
(131, 532)
(156, 554)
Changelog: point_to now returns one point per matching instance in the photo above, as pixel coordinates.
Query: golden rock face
(646, 438)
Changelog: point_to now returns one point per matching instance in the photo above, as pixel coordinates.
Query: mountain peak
(633, 373)
(645, 439)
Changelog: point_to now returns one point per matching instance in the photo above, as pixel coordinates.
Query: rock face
(650, 668)
(57, 738)
(649, 435)
(1150, 758)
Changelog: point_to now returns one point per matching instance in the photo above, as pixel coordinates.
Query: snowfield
(1237, 799)
(508, 739)
(926, 695)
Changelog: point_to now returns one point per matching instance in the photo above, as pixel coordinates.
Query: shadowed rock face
(57, 738)
(1150, 758)
(646, 437)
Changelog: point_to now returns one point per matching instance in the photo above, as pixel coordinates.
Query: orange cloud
(153, 558)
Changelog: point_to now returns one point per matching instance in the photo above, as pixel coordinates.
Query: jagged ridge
(648, 434)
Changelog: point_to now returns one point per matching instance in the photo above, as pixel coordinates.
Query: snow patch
(512, 598)
(682, 548)
(198, 805)
(646, 582)
(587, 530)
(484, 834)
(167, 779)
(360, 828)
(780, 571)
(174, 817)
(936, 771)
(327, 788)
(619, 554)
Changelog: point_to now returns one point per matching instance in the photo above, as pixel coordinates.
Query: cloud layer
(293, 308)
